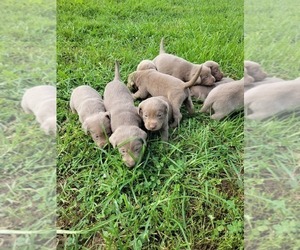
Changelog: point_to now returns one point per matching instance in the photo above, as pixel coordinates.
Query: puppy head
(205, 77)
(254, 70)
(130, 141)
(49, 126)
(98, 126)
(146, 64)
(154, 112)
(247, 79)
(215, 70)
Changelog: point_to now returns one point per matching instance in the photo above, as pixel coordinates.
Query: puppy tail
(194, 79)
(161, 46)
(117, 71)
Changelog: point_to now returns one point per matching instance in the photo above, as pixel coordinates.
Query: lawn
(272, 152)
(185, 194)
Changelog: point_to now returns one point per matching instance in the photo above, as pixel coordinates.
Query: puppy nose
(129, 162)
(102, 144)
(152, 126)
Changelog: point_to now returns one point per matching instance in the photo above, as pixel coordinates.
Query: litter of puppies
(164, 84)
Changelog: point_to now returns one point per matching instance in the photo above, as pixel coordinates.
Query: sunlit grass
(185, 194)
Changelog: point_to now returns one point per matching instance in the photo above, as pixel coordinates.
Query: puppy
(125, 120)
(254, 70)
(156, 113)
(267, 100)
(41, 101)
(201, 92)
(267, 80)
(146, 64)
(224, 99)
(215, 70)
(158, 84)
(182, 69)
(88, 104)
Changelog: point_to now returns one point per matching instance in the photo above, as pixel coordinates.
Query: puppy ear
(107, 114)
(143, 135)
(140, 109)
(113, 140)
(85, 126)
(166, 108)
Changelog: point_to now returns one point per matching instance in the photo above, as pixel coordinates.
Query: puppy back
(119, 102)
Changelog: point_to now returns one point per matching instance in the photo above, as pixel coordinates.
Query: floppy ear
(166, 108)
(107, 114)
(85, 126)
(143, 135)
(113, 140)
(140, 109)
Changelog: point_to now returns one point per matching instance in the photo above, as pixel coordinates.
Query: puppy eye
(146, 116)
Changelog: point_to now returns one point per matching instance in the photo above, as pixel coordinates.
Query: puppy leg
(189, 105)
(165, 131)
(217, 116)
(258, 116)
(221, 110)
(142, 93)
(177, 117)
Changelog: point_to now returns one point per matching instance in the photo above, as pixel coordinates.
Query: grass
(185, 194)
(272, 147)
(27, 157)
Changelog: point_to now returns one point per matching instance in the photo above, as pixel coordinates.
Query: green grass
(185, 194)
(272, 156)
(27, 157)
(272, 152)
(272, 36)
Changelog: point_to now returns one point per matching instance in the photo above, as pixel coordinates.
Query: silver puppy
(225, 98)
(125, 120)
(200, 92)
(88, 104)
(156, 113)
(181, 68)
(267, 100)
(41, 101)
(154, 83)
